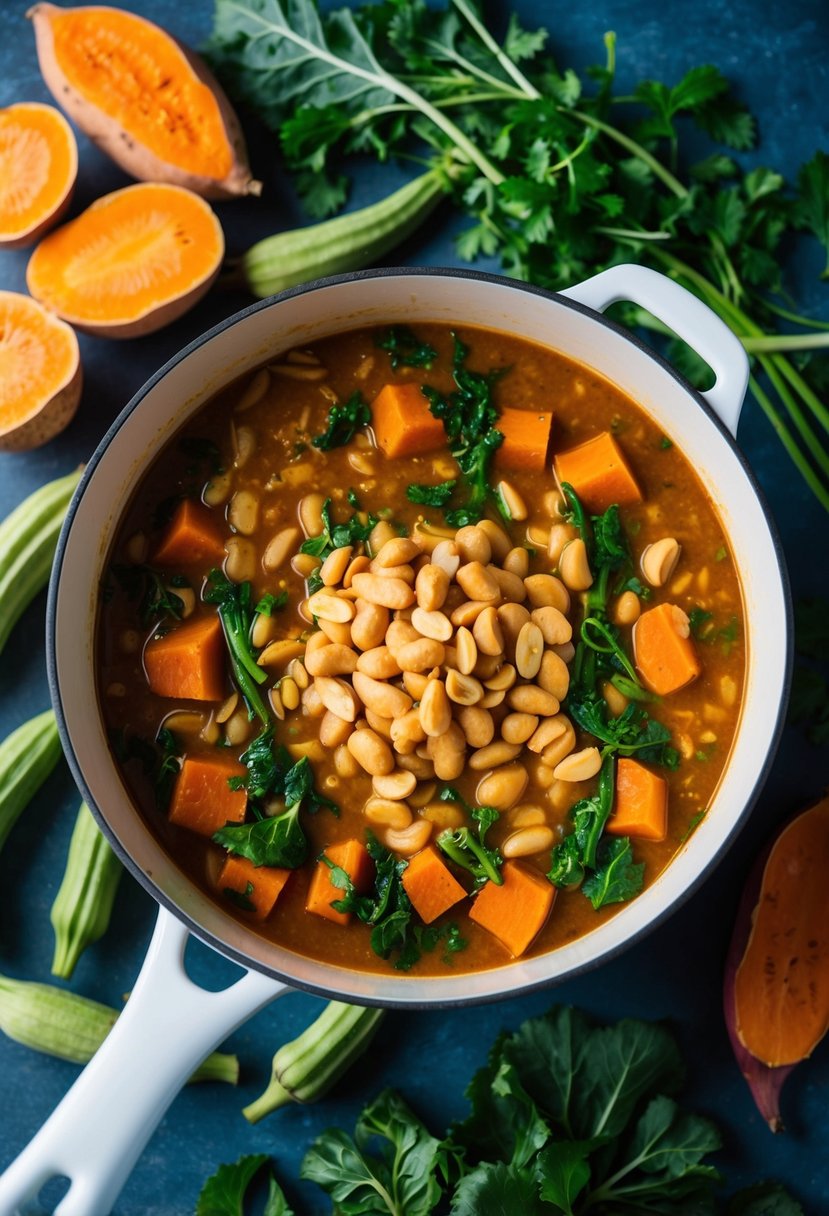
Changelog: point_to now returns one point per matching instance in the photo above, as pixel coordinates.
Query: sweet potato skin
(124, 149)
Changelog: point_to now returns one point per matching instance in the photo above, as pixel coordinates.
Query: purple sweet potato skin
(764, 1082)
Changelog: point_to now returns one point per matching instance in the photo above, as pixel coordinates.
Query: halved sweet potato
(38, 168)
(148, 102)
(131, 263)
(40, 373)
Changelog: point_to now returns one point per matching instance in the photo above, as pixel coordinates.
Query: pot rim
(516, 986)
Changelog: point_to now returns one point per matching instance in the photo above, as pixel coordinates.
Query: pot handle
(99, 1130)
(687, 316)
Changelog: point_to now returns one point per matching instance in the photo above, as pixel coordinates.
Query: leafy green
(223, 1194)
(398, 1177)
(273, 839)
(160, 760)
(344, 420)
(556, 174)
(405, 349)
(236, 612)
(469, 416)
(467, 848)
(616, 877)
(387, 908)
(155, 597)
(764, 1199)
(270, 603)
(356, 530)
(431, 496)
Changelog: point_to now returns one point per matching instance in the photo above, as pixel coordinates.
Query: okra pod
(27, 757)
(28, 537)
(305, 1069)
(347, 242)
(83, 905)
(72, 1027)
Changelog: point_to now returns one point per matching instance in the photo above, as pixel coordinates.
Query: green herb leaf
(617, 877)
(343, 423)
(223, 1194)
(405, 349)
(812, 209)
(431, 496)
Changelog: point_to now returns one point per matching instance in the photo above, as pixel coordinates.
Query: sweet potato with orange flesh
(599, 473)
(776, 984)
(403, 424)
(782, 982)
(188, 662)
(38, 168)
(258, 886)
(144, 99)
(430, 885)
(640, 806)
(351, 856)
(517, 911)
(40, 373)
(192, 536)
(664, 653)
(202, 800)
(131, 263)
(526, 439)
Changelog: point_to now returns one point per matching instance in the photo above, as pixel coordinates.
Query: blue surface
(777, 57)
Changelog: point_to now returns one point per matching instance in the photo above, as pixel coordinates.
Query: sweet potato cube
(526, 440)
(599, 473)
(351, 856)
(202, 799)
(665, 655)
(188, 662)
(259, 886)
(640, 806)
(193, 536)
(517, 911)
(430, 885)
(403, 423)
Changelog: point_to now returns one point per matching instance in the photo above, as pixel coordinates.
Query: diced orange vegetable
(640, 806)
(202, 799)
(351, 856)
(403, 424)
(665, 659)
(598, 472)
(430, 885)
(193, 536)
(261, 886)
(526, 439)
(188, 662)
(516, 911)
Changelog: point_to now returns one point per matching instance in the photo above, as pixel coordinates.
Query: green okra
(348, 242)
(28, 537)
(83, 905)
(306, 1068)
(72, 1027)
(27, 757)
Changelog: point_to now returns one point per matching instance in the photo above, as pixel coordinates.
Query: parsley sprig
(558, 176)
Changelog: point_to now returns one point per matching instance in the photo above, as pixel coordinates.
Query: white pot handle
(687, 316)
(98, 1131)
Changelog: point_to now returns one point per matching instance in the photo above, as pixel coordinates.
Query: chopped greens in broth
(422, 649)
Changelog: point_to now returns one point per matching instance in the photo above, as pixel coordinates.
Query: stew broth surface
(266, 448)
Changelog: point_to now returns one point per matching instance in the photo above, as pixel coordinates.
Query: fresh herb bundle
(559, 175)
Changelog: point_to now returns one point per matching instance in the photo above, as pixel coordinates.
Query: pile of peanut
(438, 656)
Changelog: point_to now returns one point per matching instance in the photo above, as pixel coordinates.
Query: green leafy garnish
(335, 536)
(616, 877)
(703, 629)
(469, 416)
(274, 840)
(431, 496)
(236, 612)
(467, 848)
(405, 349)
(269, 603)
(155, 597)
(344, 420)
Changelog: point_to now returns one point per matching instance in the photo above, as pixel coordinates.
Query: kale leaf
(234, 605)
(223, 1194)
(431, 496)
(344, 420)
(405, 349)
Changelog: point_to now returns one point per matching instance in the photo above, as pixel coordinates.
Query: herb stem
(512, 70)
(657, 168)
(776, 343)
(784, 435)
(821, 456)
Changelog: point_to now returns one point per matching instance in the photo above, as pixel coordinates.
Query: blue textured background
(776, 54)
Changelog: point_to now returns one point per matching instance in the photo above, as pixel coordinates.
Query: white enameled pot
(99, 1130)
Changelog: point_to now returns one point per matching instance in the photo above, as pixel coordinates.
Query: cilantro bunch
(559, 175)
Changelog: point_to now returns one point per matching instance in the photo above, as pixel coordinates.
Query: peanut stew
(421, 649)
